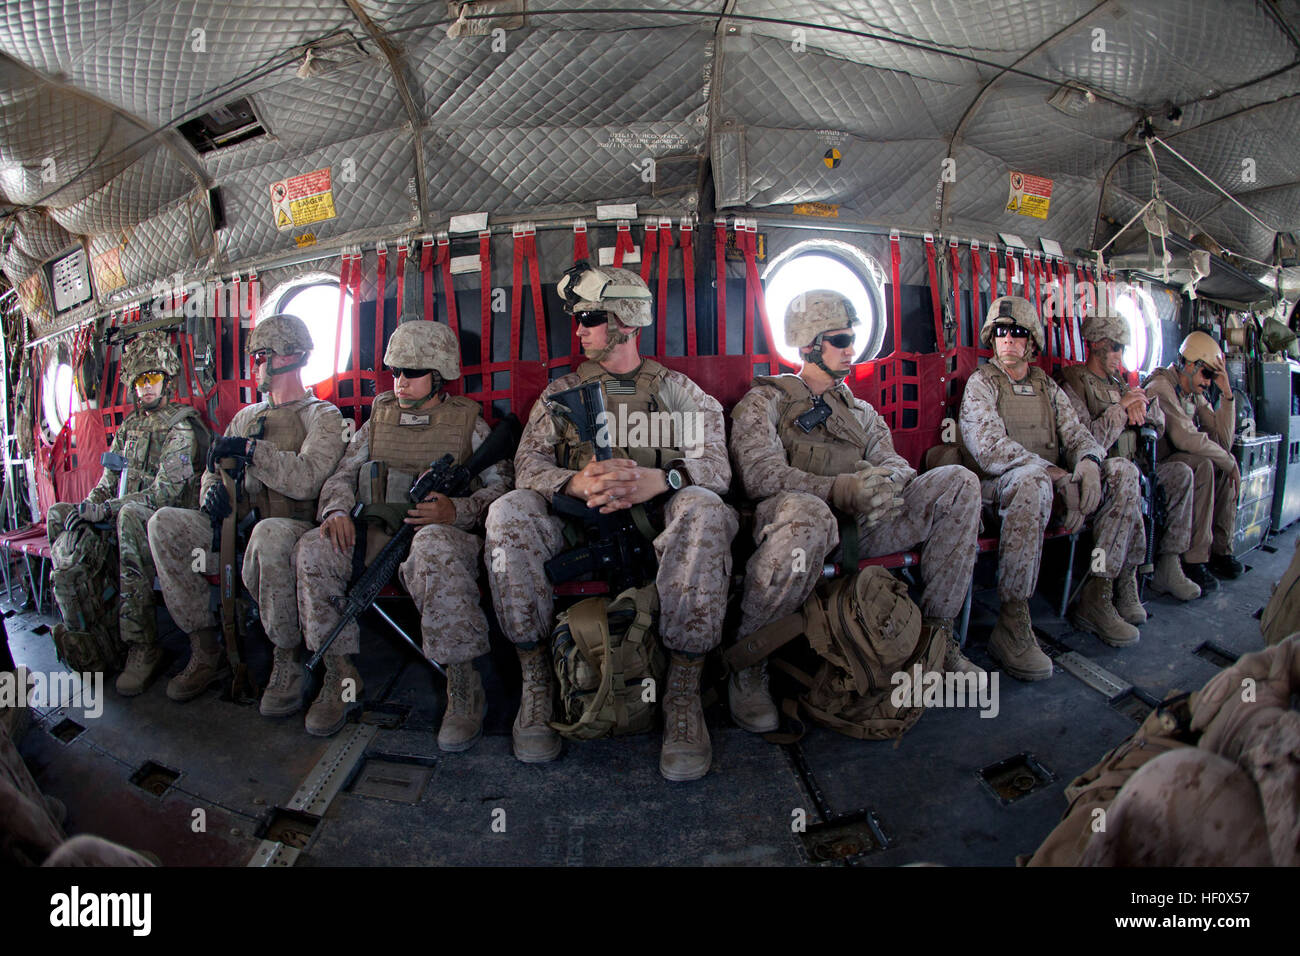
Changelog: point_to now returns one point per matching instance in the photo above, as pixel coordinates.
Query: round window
(838, 267)
(1136, 306)
(59, 398)
(315, 300)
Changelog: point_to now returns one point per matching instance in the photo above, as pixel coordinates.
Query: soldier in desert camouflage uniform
(105, 538)
(798, 472)
(693, 549)
(1201, 438)
(290, 444)
(409, 427)
(1113, 413)
(1016, 425)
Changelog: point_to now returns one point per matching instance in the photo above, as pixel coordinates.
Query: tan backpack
(603, 652)
(864, 629)
(1281, 617)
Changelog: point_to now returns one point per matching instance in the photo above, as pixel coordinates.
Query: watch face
(674, 479)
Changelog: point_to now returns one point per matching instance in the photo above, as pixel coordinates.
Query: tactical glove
(869, 492)
(1087, 475)
(94, 511)
(1068, 490)
(216, 504)
(230, 446)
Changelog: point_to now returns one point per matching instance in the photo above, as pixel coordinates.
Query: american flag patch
(620, 386)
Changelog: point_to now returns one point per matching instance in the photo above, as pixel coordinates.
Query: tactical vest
(832, 447)
(282, 427)
(403, 443)
(632, 402)
(143, 446)
(1025, 408)
(1100, 395)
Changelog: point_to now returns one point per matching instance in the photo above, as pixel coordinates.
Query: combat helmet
(621, 292)
(282, 334)
(417, 343)
(149, 352)
(1012, 310)
(1113, 327)
(1201, 347)
(813, 313)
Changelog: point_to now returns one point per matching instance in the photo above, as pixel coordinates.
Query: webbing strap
(485, 309)
(426, 277)
(954, 263)
(661, 300)
(936, 303)
(623, 244)
(688, 280)
(755, 300)
(381, 287)
(649, 246)
(345, 274)
(443, 260)
(994, 278)
(1038, 276)
(355, 372)
(749, 650)
(895, 264)
(580, 240)
(720, 272)
(402, 252)
(976, 296)
(535, 283)
(525, 258)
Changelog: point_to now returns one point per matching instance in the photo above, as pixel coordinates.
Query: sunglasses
(411, 373)
(260, 357)
(1015, 331)
(591, 319)
(841, 340)
(148, 378)
(1206, 371)
(1114, 346)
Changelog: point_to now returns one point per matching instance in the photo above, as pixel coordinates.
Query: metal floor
(141, 771)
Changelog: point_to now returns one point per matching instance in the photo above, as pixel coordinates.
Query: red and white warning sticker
(303, 199)
(1029, 195)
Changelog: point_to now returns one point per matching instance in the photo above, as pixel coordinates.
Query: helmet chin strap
(437, 384)
(613, 337)
(817, 359)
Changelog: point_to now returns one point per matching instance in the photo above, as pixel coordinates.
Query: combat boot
(1126, 597)
(1096, 614)
(687, 752)
(534, 740)
(954, 661)
(1169, 579)
(751, 704)
(1014, 646)
(1200, 575)
(286, 685)
(329, 713)
(143, 662)
(462, 724)
(1226, 566)
(207, 666)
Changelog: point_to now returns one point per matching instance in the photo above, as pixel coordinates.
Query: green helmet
(149, 352)
(812, 313)
(282, 334)
(621, 292)
(417, 343)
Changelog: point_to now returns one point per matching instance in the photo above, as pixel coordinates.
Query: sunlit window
(315, 300)
(837, 267)
(1142, 353)
(59, 397)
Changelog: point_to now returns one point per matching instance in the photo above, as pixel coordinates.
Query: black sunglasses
(591, 319)
(1015, 331)
(410, 373)
(841, 340)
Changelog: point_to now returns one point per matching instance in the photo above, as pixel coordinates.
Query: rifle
(619, 547)
(225, 541)
(444, 477)
(1153, 496)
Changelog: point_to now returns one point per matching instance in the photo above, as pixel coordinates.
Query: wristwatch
(677, 478)
(1093, 458)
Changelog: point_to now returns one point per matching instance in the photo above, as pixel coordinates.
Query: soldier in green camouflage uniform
(100, 547)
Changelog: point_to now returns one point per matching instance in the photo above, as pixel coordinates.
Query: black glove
(72, 522)
(227, 447)
(216, 504)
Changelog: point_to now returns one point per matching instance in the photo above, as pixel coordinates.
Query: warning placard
(1029, 195)
(825, 210)
(303, 199)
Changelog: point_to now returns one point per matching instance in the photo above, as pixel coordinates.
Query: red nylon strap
(688, 282)
(720, 271)
(1038, 276)
(993, 272)
(112, 396)
(976, 296)
(218, 319)
(381, 283)
(485, 308)
(426, 277)
(623, 245)
(661, 301)
(895, 263)
(579, 245)
(448, 291)
(1011, 270)
(744, 239)
(935, 303)
(402, 252)
(345, 275)
(254, 302)
(516, 296)
(755, 300)
(535, 281)
(238, 313)
(355, 363)
(954, 262)
(649, 246)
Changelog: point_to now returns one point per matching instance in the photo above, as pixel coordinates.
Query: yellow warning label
(831, 158)
(312, 208)
(301, 200)
(1029, 195)
(282, 220)
(305, 240)
(823, 209)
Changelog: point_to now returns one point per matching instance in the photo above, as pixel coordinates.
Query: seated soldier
(1201, 438)
(1017, 427)
(410, 427)
(290, 444)
(693, 548)
(802, 445)
(1113, 413)
(160, 447)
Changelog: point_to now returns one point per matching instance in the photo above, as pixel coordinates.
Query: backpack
(864, 629)
(1281, 617)
(603, 651)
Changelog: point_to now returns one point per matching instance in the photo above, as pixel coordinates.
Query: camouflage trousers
(181, 541)
(1023, 498)
(85, 563)
(440, 573)
(694, 552)
(1214, 509)
(795, 532)
(1176, 479)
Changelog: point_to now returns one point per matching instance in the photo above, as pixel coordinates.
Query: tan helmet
(418, 343)
(812, 313)
(1012, 310)
(1113, 327)
(282, 334)
(622, 292)
(149, 352)
(1201, 347)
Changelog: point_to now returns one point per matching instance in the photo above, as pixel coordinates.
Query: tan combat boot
(687, 752)
(954, 661)
(1096, 614)
(1014, 646)
(143, 662)
(329, 713)
(286, 685)
(207, 666)
(751, 704)
(1126, 597)
(534, 740)
(462, 724)
(1170, 579)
